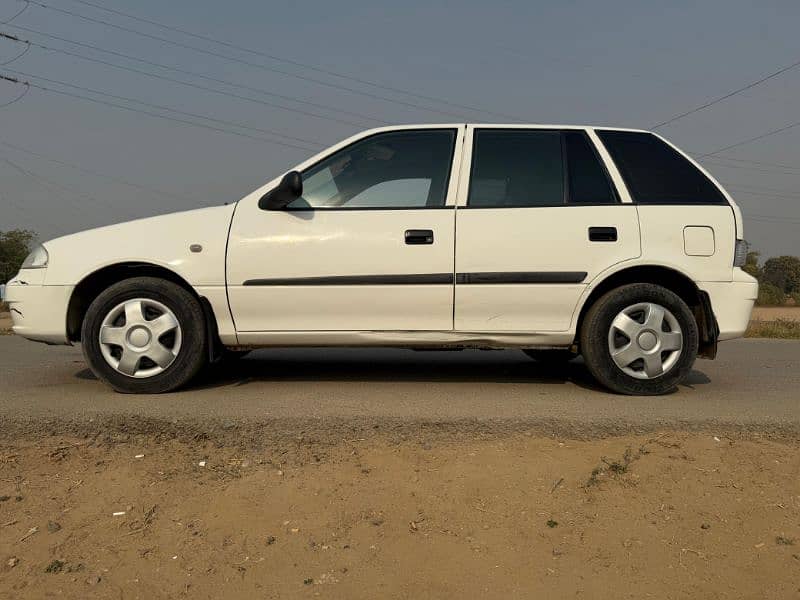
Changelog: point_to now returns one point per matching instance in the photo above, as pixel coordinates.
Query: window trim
(450, 172)
(564, 161)
(725, 200)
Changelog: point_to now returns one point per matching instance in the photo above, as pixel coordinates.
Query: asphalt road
(753, 384)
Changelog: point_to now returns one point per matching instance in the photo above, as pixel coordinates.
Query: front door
(368, 247)
(538, 219)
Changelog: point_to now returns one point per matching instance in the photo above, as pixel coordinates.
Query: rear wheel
(639, 339)
(145, 335)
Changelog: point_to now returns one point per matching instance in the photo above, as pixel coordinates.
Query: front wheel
(639, 339)
(145, 335)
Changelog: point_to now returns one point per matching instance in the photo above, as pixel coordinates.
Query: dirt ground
(771, 313)
(668, 515)
(5, 322)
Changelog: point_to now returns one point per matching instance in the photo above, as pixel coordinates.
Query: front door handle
(415, 237)
(602, 234)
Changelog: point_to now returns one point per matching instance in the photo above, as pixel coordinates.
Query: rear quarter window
(655, 173)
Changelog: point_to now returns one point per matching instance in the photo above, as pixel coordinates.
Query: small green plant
(551, 523)
(784, 541)
(55, 567)
(616, 467)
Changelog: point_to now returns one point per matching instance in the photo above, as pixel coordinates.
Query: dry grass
(786, 329)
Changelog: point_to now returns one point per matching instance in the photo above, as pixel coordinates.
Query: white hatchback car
(558, 240)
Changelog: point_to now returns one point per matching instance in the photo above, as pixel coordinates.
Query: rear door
(538, 218)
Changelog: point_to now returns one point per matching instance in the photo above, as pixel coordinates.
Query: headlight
(37, 259)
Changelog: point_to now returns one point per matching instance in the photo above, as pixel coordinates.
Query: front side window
(656, 173)
(399, 169)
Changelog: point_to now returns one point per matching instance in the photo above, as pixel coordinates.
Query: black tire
(551, 356)
(193, 353)
(594, 339)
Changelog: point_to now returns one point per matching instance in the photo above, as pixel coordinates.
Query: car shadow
(396, 366)
(401, 366)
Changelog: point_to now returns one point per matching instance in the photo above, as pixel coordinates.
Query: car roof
(505, 126)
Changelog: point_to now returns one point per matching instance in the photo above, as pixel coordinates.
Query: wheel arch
(95, 282)
(671, 279)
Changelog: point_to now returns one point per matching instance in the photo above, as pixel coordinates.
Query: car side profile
(560, 241)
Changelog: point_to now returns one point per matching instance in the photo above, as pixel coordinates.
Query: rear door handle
(415, 237)
(602, 234)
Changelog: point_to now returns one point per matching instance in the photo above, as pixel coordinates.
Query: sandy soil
(5, 322)
(770, 313)
(663, 516)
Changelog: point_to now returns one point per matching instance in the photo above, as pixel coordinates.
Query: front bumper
(732, 302)
(38, 312)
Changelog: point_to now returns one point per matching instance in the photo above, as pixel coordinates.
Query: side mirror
(289, 189)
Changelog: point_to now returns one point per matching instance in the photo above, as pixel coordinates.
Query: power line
(747, 168)
(757, 162)
(24, 93)
(245, 62)
(198, 75)
(753, 139)
(761, 189)
(172, 110)
(159, 107)
(766, 194)
(772, 220)
(751, 85)
(294, 62)
(145, 112)
(59, 186)
(173, 80)
(22, 10)
(139, 186)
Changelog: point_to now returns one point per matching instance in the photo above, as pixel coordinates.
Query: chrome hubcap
(645, 340)
(140, 338)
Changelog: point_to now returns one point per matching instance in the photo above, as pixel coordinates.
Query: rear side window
(516, 168)
(656, 173)
(525, 168)
(588, 180)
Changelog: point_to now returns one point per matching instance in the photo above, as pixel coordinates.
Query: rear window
(656, 173)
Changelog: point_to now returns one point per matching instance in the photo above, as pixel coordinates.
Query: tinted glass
(655, 173)
(402, 169)
(588, 180)
(516, 168)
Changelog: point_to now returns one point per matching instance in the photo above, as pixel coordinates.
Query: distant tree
(783, 272)
(751, 264)
(14, 247)
(770, 295)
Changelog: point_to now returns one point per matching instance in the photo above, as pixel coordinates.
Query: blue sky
(615, 63)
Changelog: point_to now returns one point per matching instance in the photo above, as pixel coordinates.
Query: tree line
(778, 278)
